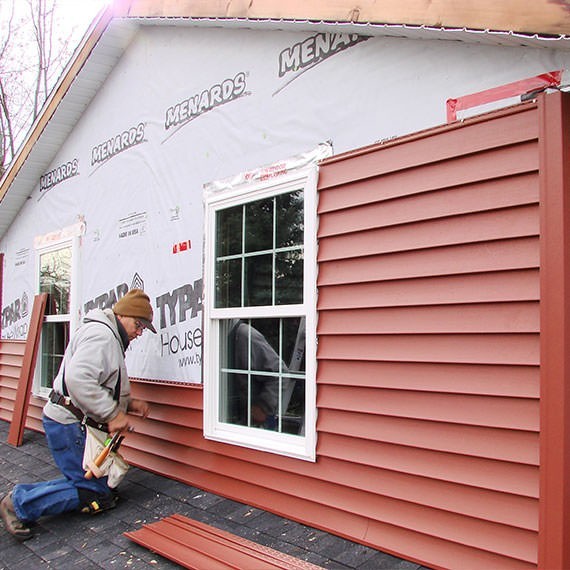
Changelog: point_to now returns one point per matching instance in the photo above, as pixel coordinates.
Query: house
(274, 174)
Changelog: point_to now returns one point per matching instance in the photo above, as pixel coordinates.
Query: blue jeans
(67, 444)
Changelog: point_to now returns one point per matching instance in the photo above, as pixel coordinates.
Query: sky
(77, 14)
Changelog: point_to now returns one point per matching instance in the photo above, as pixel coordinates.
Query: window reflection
(259, 252)
(263, 374)
(55, 337)
(55, 280)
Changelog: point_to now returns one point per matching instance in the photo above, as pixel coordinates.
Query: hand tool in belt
(112, 445)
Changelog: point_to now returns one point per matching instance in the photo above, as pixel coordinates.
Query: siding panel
(476, 197)
(429, 327)
(486, 379)
(503, 286)
(510, 445)
(500, 255)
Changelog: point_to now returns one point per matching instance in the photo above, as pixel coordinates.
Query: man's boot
(13, 524)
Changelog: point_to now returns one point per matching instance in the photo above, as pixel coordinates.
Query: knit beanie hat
(136, 304)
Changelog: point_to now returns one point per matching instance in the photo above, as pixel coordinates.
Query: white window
(56, 276)
(260, 312)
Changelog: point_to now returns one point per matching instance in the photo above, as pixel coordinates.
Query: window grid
(288, 235)
(274, 252)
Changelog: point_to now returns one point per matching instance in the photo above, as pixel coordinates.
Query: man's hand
(139, 407)
(119, 423)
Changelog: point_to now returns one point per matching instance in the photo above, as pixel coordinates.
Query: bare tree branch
(32, 56)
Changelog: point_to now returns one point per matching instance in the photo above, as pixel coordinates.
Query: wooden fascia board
(549, 17)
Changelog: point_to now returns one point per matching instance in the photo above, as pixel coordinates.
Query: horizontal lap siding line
(11, 371)
(416, 186)
(182, 395)
(389, 460)
(338, 492)
(394, 459)
(516, 349)
(11, 361)
(477, 472)
(441, 145)
(428, 355)
(389, 207)
(500, 255)
(404, 446)
(499, 286)
(12, 347)
(465, 229)
(476, 379)
(486, 411)
(511, 317)
(513, 446)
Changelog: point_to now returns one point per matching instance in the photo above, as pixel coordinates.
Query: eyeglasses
(139, 325)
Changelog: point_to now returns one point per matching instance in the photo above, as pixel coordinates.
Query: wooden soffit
(548, 17)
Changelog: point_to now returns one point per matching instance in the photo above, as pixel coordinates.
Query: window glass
(266, 267)
(289, 278)
(55, 280)
(55, 337)
(289, 219)
(229, 231)
(262, 374)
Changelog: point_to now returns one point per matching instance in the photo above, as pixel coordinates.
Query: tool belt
(66, 402)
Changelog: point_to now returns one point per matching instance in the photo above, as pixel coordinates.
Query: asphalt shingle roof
(86, 542)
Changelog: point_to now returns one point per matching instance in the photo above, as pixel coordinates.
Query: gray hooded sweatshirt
(93, 361)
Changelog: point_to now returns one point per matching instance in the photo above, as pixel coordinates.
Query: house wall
(428, 358)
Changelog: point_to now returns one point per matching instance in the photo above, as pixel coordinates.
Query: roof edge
(544, 17)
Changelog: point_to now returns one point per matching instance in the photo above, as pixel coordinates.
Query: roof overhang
(114, 28)
(547, 17)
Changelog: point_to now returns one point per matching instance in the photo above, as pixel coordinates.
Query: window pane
(293, 420)
(228, 283)
(294, 344)
(55, 337)
(55, 279)
(229, 231)
(290, 224)
(258, 280)
(259, 226)
(257, 388)
(289, 278)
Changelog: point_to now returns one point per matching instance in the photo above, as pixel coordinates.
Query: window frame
(297, 446)
(74, 314)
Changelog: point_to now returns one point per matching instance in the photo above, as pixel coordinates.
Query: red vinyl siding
(11, 359)
(429, 359)
(429, 321)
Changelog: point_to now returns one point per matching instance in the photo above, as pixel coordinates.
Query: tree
(33, 52)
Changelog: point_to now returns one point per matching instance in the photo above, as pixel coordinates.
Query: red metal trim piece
(554, 506)
(550, 79)
(197, 546)
(16, 433)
